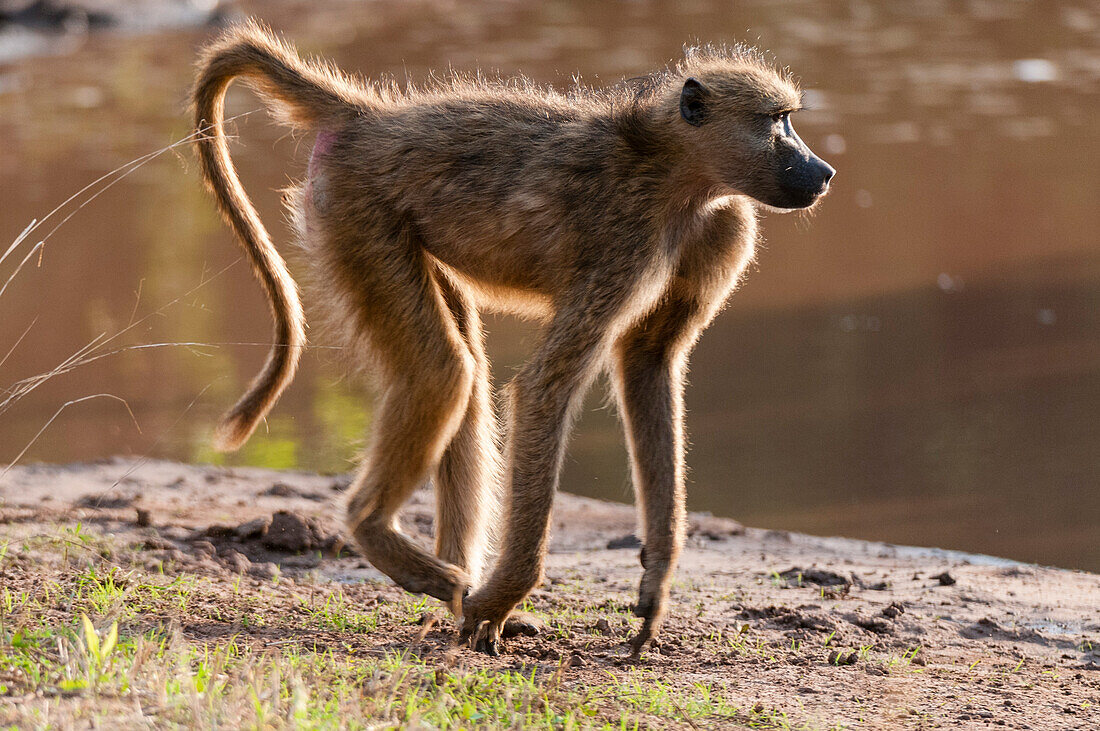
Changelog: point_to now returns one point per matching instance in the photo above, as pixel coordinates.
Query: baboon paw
(645, 634)
(442, 583)
(467, 634)
(481, 627)
(488, 646)
(481, 636)
(522, 623)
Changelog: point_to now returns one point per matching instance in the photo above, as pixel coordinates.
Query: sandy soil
(825, 630)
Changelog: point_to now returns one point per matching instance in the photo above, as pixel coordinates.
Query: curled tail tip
(233, 431)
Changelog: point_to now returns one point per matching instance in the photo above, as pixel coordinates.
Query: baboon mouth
(795, 199)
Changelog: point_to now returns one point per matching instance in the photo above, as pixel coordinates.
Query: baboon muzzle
(805, 176)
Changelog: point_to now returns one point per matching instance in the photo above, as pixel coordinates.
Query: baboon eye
(783, 119)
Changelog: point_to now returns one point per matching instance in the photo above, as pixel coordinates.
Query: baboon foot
(652, 600)
(488, 644)
(522, 623)
(483, 636)
(645, 634)
(487, 635)
(441, 582)
(408, 565)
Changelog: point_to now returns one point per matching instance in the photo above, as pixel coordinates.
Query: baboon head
(735, 113)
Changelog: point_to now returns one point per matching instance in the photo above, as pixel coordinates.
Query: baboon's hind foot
(522, 624)
(488, 636)
(410, 566)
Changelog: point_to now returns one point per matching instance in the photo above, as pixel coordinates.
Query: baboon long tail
(307, 95)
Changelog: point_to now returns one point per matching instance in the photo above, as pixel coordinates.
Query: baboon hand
(645, 634)
(652, 613)
(652, 602)
(482, 627)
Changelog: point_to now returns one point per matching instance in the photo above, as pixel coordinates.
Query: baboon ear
(693, 106)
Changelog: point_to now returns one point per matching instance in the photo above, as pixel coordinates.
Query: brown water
(919, 363)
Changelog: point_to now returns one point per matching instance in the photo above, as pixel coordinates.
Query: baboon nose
(826, 171)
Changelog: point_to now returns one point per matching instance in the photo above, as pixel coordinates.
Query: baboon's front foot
(652, 602)
(645, 634)
(483, 624)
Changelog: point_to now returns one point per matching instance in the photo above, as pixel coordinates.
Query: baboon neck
(647, 129)
(689, 184)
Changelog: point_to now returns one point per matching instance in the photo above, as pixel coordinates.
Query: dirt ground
(807, 632)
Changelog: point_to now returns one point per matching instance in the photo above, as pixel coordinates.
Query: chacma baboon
(622, 217)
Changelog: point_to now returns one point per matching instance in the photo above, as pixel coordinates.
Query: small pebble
(838, 657)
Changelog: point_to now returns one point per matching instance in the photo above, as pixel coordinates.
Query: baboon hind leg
(468, 478)
(468, 475)
(429, 374)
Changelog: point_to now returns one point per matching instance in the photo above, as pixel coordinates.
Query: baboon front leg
(649, 371)
(543, 397)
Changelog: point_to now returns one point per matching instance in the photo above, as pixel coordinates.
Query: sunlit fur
(601, 212)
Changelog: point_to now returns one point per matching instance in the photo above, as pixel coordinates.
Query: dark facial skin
(802, 177)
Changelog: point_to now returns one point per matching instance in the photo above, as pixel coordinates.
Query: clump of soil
(281, 489)
(819, 577)
(108, 501)
(266, 540)
(627, 541)
(945, 579)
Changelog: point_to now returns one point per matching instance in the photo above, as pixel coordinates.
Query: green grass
(87, 639)
(161, 676)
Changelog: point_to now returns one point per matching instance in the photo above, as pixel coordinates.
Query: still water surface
(917, 363)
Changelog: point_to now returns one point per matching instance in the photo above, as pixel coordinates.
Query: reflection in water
(918, 363)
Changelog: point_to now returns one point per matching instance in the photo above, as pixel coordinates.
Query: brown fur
(602, 212)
